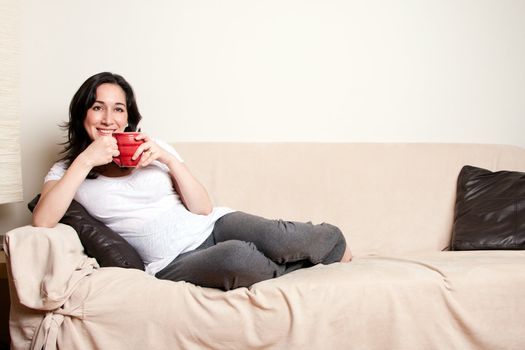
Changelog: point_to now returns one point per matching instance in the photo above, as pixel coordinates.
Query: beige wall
(278, 70)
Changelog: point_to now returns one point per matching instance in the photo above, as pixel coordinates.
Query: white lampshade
(10, 168)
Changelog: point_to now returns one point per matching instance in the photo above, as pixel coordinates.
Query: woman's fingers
(141, 136)
(148, 151)
(143, 147)
(101, 151)
(148, 156)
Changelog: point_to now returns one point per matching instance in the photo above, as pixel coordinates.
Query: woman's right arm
(56, 195)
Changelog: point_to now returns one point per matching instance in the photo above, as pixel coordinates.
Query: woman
(161, 209)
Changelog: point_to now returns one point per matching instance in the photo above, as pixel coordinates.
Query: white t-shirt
(145, 210)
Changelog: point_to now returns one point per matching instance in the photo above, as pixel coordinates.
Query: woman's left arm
(192, 193)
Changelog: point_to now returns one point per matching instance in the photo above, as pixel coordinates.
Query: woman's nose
(107, 118)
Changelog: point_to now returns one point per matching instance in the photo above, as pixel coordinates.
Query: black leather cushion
(99, 241)
(490, 210)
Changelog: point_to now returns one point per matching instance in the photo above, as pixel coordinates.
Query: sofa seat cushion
(432, 301)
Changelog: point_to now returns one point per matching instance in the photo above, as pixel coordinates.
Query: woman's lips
(106, 131)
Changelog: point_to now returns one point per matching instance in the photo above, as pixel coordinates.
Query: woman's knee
(243, 265)
(333, 232)
(235, 253)
(337, 242)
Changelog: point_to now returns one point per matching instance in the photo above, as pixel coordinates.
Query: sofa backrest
(387, 198)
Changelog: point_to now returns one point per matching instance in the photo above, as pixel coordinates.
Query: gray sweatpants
(244, 249)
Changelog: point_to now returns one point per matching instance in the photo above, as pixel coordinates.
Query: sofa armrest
(45, 264)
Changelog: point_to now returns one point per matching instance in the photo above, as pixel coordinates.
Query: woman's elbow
(202, 210)
(38, 221)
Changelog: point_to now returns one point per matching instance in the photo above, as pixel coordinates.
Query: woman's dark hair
(77, 138)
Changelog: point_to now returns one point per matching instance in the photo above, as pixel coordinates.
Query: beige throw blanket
(46, 269)
(440, 300)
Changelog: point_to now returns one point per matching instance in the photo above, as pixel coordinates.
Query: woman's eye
(97, 108)
(120, 110)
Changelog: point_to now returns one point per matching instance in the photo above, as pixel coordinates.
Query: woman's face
(108, 114)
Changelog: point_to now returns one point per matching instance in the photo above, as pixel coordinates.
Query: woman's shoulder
(57, 171)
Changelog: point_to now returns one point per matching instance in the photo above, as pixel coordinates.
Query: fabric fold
(47, 333)
(46, 264)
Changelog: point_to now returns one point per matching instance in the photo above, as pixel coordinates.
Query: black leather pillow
(490, 210)
(99, 241)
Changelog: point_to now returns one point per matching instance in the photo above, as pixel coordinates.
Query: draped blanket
(440, 300)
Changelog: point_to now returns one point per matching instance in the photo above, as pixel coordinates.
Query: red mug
(127, 145)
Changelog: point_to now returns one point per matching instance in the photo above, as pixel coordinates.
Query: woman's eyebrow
(117, 103)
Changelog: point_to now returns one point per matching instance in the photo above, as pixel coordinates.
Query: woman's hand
(191, 191)
(101, 151)
(150, 151)
(58, 194)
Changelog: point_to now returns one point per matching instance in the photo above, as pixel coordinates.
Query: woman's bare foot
(347, 256)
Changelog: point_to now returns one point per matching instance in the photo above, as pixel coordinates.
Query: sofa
(407, 287)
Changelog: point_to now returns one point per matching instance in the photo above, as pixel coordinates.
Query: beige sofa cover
(394, 202)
